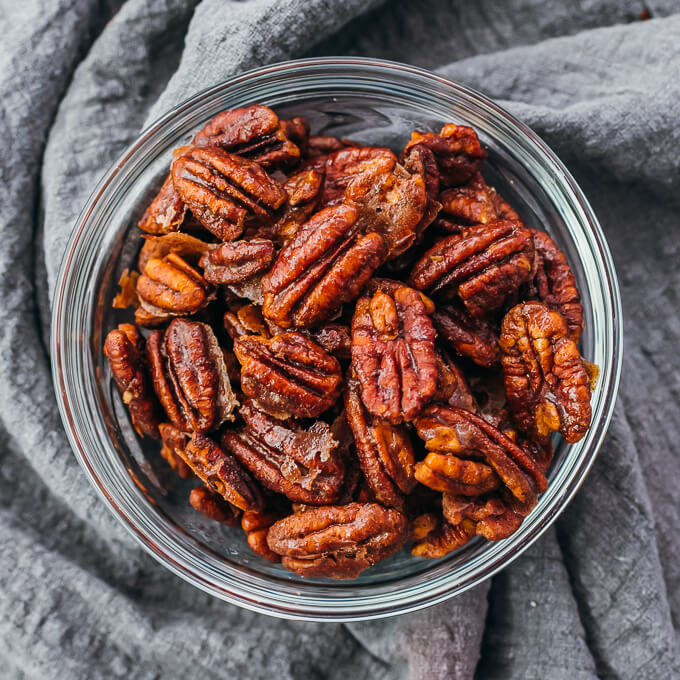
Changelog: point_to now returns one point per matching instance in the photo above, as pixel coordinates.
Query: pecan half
(444, 539)
(174, 441)
(302, 464)
(393, 353)
(256, 527)
(190, 376)
(222, 190)
(452, 387)
(288, 375)
(476, 203)
(186, 246)
(450, 474)
(546, 382)
(166, 212)
(384, 450)
(124, 349)
(483, 265)
(472, 338)
(327, 264)
(237, 261)
(214, 507)
(492, 518)
(221, 473)
(338, 541)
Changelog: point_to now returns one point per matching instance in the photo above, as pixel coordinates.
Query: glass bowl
(370, 101)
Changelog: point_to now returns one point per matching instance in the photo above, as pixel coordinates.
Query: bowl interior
(370, 107)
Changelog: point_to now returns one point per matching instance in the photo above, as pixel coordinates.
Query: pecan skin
(237, 261)
(190, 377)
(393, 353)
(221, 473)
(222, 190)
(303, 465)
(484, 265)
(546, 382)
(288, 375)
(166, 212)
(214, 507)
(338, 541)
(174, 441)
(327, 264)
(124, 349)
(256, 527)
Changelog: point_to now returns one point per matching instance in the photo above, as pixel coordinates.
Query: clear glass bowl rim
(165, 543)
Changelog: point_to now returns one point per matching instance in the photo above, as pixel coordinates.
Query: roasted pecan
(546, 382)
(393, 353)
(492, 518)
(444, 539)
(555, 285)
(222, 190)
(452, 387)
(457, 432)
(256, 526)
(253, 132)
(188, 247)
(174, 441)
(335, 338)
(476, 203)
(483, 265)
(323, 145)
(190, 377)
(457, 150)
(302, 464)
(166, 212)
(421, 161)
(338, 541)
(384, 451)
(237, 261)
(247, 320)
(214, 507)
(423, 525)
(222, 473)
(473, 338)
(124, 349)
(297, 130)
(327, 264)
(171, 287)
(448, 473)
(288, 375)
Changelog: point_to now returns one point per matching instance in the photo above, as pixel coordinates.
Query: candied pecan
(444, 539)
(190, 376)
(476, 203)
(171, 287)
(452, 387)
(288, 375)
(384, 450)
(166, 212)
(472, 338)
(546, 382)
(483, 265)
(335, 338)
(424, 525)
(253, 132)
(327, 264)
(421, 161)
(458, 432)
(338, 541)
(256, 526)
(297, 130)
(555, 285)
(237, 261)
(247, 320)
(188, 247)
(221, 473)
(390, 286)
(393, 353)
(302, 464)
(322, 145)
(444, 472)
(457, 150)
(222, 190)
(498, 527)
(124, 349)
(214, 507)
(492, 518)
(174, 441)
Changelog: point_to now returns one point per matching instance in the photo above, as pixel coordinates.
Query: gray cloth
(599, 595)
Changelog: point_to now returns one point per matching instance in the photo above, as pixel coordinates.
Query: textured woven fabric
(599, 595)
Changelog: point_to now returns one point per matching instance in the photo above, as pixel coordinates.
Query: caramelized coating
(335, 338)
(476, 203)
(174, 441)
(214, 507)
(256, 527)
(450, 474)
(247, 320)
(444, 539)
(187, 247)
(237, 261)
(166, 212)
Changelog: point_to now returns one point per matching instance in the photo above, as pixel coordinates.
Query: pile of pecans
(349, 350)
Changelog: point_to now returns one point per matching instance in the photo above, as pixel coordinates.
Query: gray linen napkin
(599, 595)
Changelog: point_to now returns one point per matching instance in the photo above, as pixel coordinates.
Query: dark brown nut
(171, 287)
(166, 212)
(237, 261)
(247, 320)
(304, 465)
(190, 376)
(256, 527)
(335, 338)
(384, 450)
(390, 286)
(323, 145)
(452, 387)
(297, 130)
(338, 541)
(492, 518)
(444, 539)
(476, 203)
(421, 161)
(461, 433)
(472, 338)
(489, 392)
(223, 190)
(483, 266)
(327, 264)
(555, 284)
(214, 507)
(450, 474)
(222, 473)
(542, 453)
(457, 150)
(288, 375)
(174, 441)
(253, 132)
(124, 349)
(393, 353)
(546, 382)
